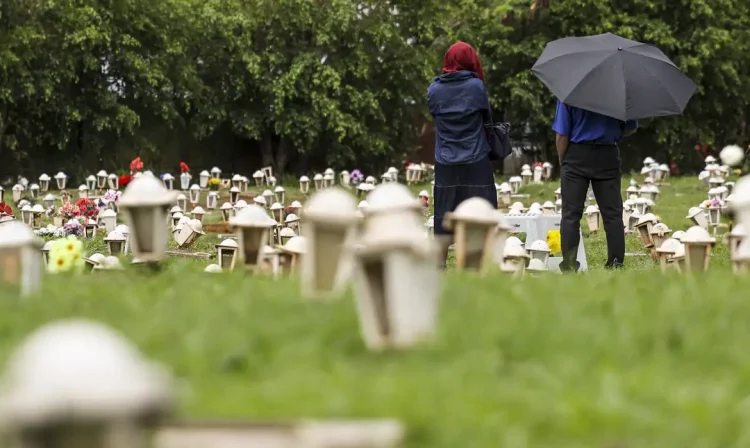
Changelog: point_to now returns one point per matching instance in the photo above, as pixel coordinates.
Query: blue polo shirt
(581, 125)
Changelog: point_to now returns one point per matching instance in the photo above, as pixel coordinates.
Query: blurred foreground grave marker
(302, 434)
(78, 384)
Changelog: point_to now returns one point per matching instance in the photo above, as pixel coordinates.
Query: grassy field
(603, 359)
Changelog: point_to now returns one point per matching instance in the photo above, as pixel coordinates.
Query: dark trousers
(600, 166)
(455, 184)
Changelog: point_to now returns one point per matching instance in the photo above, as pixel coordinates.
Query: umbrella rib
(671, 97)
(587, 75)
(650, 56)
(537, 66)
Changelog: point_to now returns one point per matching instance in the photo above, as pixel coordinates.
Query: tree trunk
(4, 122)
(4, 165)
(79, 143)
(2, 138)
(266, 150)
(282, 157)
(302, 163)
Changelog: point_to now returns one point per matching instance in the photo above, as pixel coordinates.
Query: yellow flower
(553, 241)
(73, 245)
(55, 248)
(66, 254)
(59, 262)
(69, 245)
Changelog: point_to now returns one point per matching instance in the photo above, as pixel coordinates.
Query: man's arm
(562, 127)
(561, 142)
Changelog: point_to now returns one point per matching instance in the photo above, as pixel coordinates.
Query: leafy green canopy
(319, 82)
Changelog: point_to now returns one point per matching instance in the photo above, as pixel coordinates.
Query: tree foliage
(705, 38)
(305, 84)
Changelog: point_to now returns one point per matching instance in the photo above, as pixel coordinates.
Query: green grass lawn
(603, 359)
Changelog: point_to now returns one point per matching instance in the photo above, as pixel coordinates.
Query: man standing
(587, 148)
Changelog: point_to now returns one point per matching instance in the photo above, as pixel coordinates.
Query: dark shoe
(570, 268)
(615, 264)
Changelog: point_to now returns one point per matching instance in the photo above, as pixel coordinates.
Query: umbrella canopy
(614, 76)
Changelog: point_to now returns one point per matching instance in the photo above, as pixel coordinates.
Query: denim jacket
(460, 107)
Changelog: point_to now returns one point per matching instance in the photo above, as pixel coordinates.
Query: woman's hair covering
(462, 56)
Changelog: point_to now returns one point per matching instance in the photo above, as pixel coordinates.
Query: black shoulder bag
(498, 134)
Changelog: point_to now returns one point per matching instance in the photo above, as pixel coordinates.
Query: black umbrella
(614, 76)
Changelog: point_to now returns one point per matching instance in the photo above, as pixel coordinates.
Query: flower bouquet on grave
(87, 208)
(101, 204)
(6, 213)
(73, 227)
(109, 199)
(554, 241)
(66, 255)
(136, 166)
(213, 184)
(50, 232)
(112, 196)
(124, 180)
(68, 211)
(356, 177)
(5, 210)
(185, 176)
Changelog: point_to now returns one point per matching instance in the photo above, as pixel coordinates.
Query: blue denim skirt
(456, 183)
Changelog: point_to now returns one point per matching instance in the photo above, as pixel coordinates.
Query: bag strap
(493, 123)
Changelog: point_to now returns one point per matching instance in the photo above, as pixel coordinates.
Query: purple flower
(111, 195)
(73, 227)
(356, 177)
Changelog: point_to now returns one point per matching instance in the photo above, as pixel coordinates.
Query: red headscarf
(461, 56)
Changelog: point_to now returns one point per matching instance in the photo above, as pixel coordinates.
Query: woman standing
(460, 108)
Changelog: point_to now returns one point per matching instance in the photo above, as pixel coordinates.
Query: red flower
(184, 168)
(5, 209)
(425, 201)
(673, 168)
(69, 211)
(136, 165)
(87, 208)
(124, 180)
